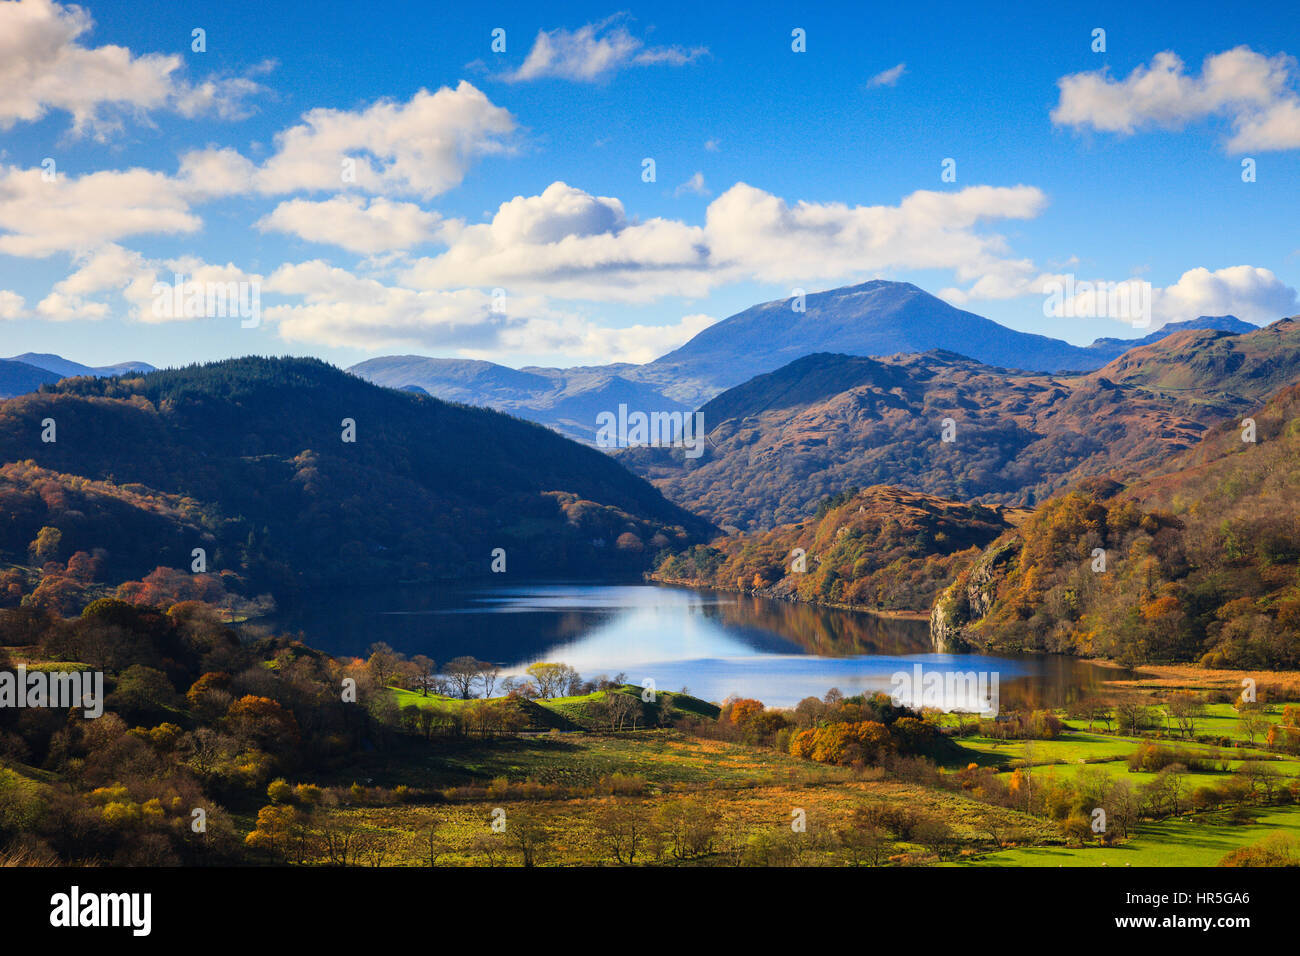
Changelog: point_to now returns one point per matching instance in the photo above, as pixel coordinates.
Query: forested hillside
(782, 442)
(1202, 561)
(248, 459)
(882, 548)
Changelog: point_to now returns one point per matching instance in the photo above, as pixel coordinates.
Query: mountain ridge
(874, 319)
(65, 368)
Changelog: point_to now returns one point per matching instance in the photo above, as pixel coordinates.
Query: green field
(1178, 842)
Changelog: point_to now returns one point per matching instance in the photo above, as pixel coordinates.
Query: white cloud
(351, 223)
(1248, 292)
(112, 271)
(12, 305)
(593, 52)
(1251, 293)
(57, 307)
(889, 77)
(570, 244)
(423, 147)
(767, 237)
(223, 97)
(999, 279)
(341, 309)
(109, 268)
(694, 186)
(1255, 93)
(151, 305)
(44, 67)
(635, 343)
(212, 173)
(75, 214)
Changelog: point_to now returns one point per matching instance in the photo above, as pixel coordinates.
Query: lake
(714, 644)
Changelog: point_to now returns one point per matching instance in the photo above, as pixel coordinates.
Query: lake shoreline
(766, 594)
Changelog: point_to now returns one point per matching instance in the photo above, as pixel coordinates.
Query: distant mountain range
(876, 318)
(24, 373)
(880, 318)
(566, 400)
(18, 378)
(783, 441)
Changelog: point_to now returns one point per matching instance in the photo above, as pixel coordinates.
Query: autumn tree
(384, 664)
(552, 679)
(46, 545)
(424, 673)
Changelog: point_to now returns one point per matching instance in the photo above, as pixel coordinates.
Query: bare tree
(624, 830)
(463, 673)
(621, 708)
(425, 673)
(340, 844)
(488, 674)
(433, 845)
(1185, 707)
(527, 835)
(1253, 724)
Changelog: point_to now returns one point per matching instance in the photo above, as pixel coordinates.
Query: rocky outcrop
(967, 600)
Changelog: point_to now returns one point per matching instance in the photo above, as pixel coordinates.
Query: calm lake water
(714, 644)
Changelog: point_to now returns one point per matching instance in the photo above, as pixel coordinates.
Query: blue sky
(774, 169)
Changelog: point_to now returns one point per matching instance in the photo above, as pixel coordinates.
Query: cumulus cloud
(1248, 292)
(12, 305)
(422, 147)
(109, 268)
(571, 244)
(76, 214)
(351, 223)
(317, 303)
(594, 52)
(1254, 93)
(633, 343)
(44, 67)
(144, 285)
(419, 148)
(767, 236)
(1251, 293)
(336, 307)
(150, 293)
(211, 173)
(889, 77)
(341, 309)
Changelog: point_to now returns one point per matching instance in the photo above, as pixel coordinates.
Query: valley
(228, 544)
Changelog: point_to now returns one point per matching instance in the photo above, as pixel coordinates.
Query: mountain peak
(875, 318)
